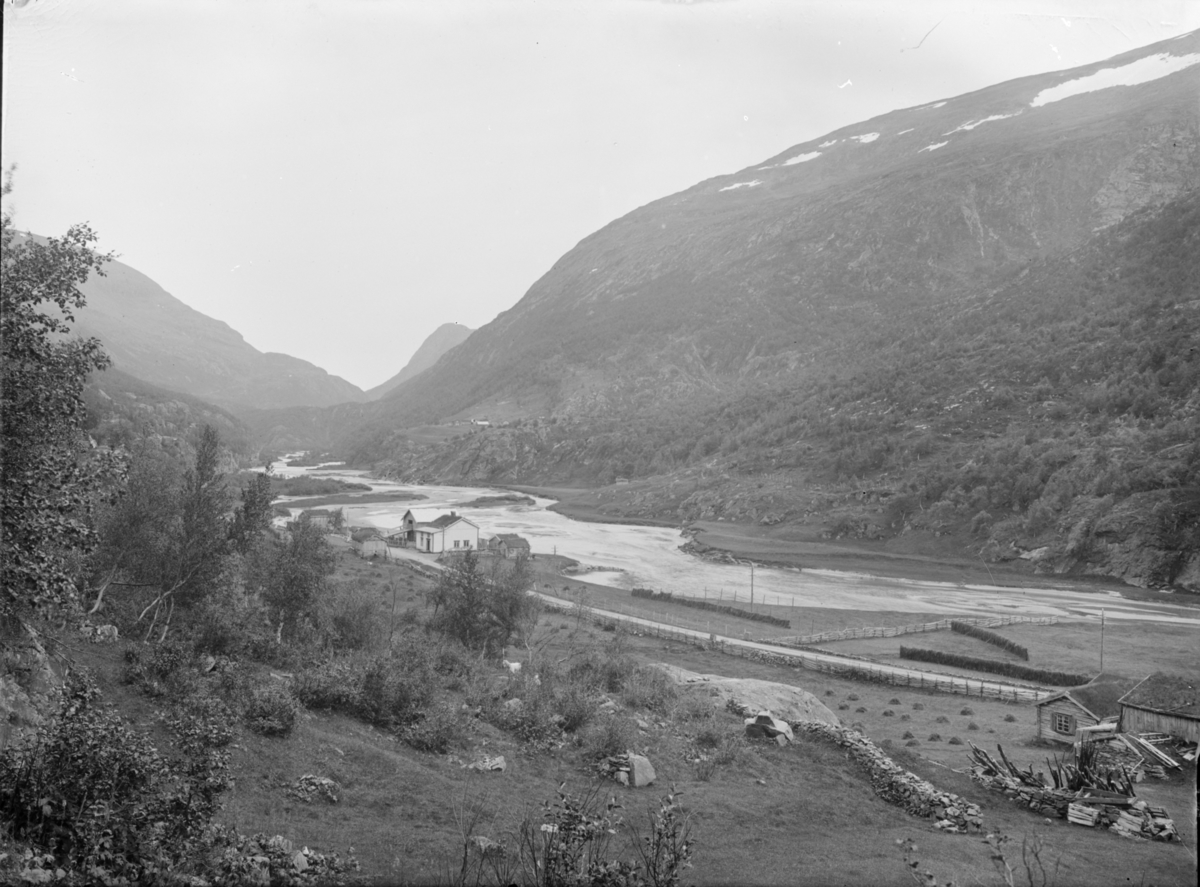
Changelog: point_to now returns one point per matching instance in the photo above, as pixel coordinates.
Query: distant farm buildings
(368, 543)
(508, 545)
(449, 532)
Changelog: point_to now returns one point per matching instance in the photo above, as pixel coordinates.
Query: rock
(513, 704)
(786, 702)
(641, 771)
(487, 763)
(208, 664)
(622, 776)
(642, 725)
(781, 740)
(300, 861)
(770, 725)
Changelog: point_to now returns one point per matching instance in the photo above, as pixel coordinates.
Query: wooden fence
(858, 671)
(892, 631)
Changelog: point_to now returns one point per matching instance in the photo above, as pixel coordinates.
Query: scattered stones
(487, 763)
(309, 788)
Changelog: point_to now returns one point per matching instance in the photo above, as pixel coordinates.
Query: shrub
(843, 707)
(942, 719)
(906, 717)
(271, 710)
(611, 736)
(436, 731)
(888, 713)
(95, 794)
(972, 726)
(967, 712)
(860, 710)
(853, 697)
(917, 706)
(954, 740)
(907, 734)
(828, 692)
(994, 666)
(575, 706)
(350, 617)
(651, 689)
(912, 742)
(1010, 718)
(893, 701)
(989, 637)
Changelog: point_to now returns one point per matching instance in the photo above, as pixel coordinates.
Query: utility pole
(751, 586)
(1101, 640)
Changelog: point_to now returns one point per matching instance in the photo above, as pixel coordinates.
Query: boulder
(641, 771)
(784, 701)
(765, 725)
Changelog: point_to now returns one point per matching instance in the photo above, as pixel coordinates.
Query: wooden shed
(1162, 703)
(368, 543)
(1060, 715)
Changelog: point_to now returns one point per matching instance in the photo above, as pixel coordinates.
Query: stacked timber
(1082, 793)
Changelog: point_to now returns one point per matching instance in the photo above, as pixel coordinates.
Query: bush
(611, 736)
(271, 710)
(651, 689)
(954, 740)
(994, 666)
(1010, 718)
(349, 618)
(576, 707)
(436, 731)
(967, 712)
(95, 794)
(989, 637)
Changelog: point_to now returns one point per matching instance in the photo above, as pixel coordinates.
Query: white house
(450, 532)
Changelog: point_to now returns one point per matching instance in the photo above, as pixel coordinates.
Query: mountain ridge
(155, 337)
(437, 343)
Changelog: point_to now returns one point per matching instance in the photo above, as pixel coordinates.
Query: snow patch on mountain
(827, 144)
(903, 131)
(934, 147)
(866, 138)
(802, 158)
(1145, 69)
(971, 124)
(741, 185)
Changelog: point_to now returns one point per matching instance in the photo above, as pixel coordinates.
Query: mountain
(438, 343)
(974, 318)
(152, 335)
(123, 410)
(768, 273)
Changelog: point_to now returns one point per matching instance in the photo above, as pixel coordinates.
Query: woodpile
(1086, 792)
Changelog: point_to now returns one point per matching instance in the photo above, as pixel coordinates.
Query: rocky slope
(975, 318)
(441, 340)
(157, 338)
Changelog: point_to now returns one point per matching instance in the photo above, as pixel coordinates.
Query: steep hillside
(974, 319)
(152, 335)
(790, 268)
(123, 409)
(438, 343)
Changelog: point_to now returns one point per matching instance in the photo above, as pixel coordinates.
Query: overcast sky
(336, 178)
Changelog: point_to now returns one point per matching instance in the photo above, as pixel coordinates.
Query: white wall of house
(459, 536)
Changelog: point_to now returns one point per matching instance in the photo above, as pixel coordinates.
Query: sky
(336, 178)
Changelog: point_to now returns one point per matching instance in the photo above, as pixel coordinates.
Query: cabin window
(1064, 724)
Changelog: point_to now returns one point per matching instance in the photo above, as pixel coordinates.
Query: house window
(1064, 724)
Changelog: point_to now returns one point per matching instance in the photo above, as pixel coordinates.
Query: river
(650, 556)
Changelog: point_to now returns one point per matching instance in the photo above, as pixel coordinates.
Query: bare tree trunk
(103, 588)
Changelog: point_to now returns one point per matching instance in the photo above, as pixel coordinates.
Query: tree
(51, 474)
(253, 516)
(291, 573)
(484, 612)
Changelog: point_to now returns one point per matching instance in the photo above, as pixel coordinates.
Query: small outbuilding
(1059, 716)
(508, 545)
(1162, 703)
(368, 543)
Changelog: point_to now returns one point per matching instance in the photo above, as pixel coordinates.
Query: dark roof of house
(1099, 696)
(445, 520)
(512, 540)
(323, 512)
(365, 535)
(1166, 693)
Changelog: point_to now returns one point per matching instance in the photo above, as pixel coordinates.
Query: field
(802, 814)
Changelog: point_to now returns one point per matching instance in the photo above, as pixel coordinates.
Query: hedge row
(994, 666)
(989, 637)
(667, 597)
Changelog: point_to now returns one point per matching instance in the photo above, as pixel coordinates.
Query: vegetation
(485, 612)
(989, 637)
(667, 597)
(995, 666)
(50, 476)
